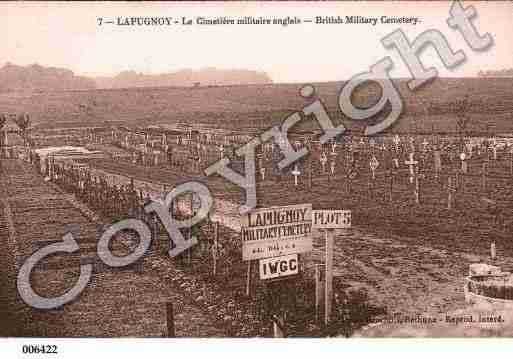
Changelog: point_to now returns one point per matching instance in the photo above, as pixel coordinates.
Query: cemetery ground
(399, 257)
(408, 258)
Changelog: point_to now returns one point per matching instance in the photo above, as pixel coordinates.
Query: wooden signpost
(328, 289)
(328, 220)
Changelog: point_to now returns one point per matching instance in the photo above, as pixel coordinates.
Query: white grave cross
(464, 166)
(374, 164)
(324, 160)
(333, 147)
(296, 174)
(262, 173)
(412, 163)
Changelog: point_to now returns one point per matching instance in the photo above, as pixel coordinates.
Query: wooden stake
(278, 327)
(450, 189)
(318, 291)
(511, 164)
(310, 176)
(483, 177)
(417, 186)
(189, 236)
(214, 251)
(156, 230)
(391, 185)
(170, 320)
(329, 276)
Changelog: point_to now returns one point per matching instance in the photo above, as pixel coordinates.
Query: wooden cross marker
(411, 163)
(438, 162)
(324, 159)
(397, 141)
(396, 162)
(412, 144)
(262, 173)
(464, 165)
(392, 175)
(296, 174)
(470, 149)
(450, 190)
(372, 143)
(374, 164)
(333, 147)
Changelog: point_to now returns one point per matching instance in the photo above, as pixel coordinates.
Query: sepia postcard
(253, 170)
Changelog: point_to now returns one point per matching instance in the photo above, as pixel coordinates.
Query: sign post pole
(248, 280)
(329, 276)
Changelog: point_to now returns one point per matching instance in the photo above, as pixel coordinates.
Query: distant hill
(498, 73)
(184, 78)
(36, 78)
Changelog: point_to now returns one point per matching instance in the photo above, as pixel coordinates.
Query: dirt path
(118, 302)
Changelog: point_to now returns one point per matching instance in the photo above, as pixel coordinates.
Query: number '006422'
(39, 349)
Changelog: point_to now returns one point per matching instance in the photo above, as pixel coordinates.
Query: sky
(68, 35)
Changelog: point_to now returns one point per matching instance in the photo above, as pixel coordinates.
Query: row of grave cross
(201, 150)
(411, 162)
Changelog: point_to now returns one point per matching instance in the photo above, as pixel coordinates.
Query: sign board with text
(276, 231)
(331, 218)
(279, 266)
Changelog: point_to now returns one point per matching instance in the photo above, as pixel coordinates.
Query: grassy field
(258, 106)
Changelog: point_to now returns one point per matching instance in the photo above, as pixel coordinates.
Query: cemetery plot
(430, 202)
(388, 186)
